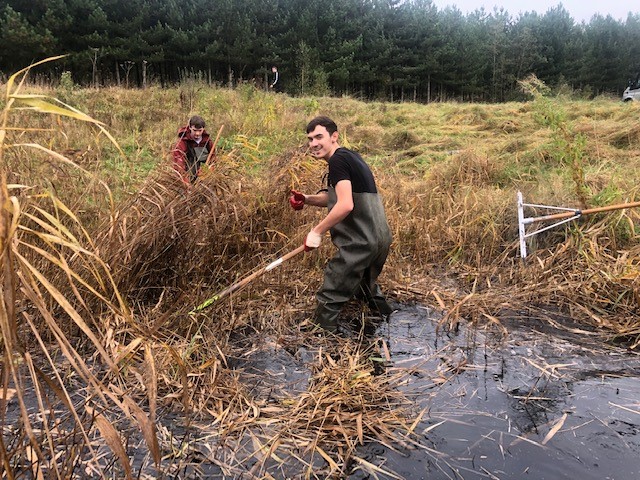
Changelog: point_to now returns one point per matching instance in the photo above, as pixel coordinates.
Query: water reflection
(534, 404)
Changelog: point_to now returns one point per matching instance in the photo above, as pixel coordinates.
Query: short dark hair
(322, 121)
(196, 121)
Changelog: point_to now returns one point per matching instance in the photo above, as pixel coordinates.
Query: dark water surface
(538, 404)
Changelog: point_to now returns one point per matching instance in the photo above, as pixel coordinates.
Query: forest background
(370, 49)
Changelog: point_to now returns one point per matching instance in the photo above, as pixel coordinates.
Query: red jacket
(188, 156)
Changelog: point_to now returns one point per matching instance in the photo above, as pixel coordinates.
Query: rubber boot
(380, 306)
(326, 317)
(375, 299)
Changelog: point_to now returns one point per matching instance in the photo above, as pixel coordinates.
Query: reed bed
(100, 287)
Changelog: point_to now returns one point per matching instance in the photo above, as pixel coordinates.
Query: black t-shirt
(348, 165)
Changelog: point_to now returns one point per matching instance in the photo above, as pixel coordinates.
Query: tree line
(374, 49)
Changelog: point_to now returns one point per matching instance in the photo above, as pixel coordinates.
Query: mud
(538, 403)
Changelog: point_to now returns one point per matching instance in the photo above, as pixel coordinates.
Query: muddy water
(538, 404)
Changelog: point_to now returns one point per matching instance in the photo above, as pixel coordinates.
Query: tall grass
(59, 302)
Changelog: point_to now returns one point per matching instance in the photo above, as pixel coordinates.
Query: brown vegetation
(99, 288)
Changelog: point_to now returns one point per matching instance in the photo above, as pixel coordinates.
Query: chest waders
(196, 157)
(363, 239)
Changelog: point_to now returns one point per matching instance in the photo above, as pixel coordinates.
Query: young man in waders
(357, 223)
(192, 149)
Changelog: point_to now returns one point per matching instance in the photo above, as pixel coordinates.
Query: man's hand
(312, 241)
(184, 178)
(296, 200)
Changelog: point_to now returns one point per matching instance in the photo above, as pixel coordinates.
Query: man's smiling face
(196, 133)
(321, 143)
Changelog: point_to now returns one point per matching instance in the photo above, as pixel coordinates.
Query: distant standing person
(192, 149)
(275, 85)
(357, 222)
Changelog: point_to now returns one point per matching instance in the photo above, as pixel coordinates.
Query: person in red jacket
(192, 150)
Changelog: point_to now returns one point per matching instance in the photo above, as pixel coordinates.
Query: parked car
(632, 92)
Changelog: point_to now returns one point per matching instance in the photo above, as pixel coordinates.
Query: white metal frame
(523, 221)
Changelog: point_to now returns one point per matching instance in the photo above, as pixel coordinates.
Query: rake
(564, 216)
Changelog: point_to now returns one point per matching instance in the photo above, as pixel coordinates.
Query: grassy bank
(449, 172)
(106, 253)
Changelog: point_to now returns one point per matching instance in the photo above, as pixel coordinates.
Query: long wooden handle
(248, 279)
(611, 207)
(260, 272)
(572, 213)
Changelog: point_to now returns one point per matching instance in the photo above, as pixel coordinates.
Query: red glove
(312, 241)
(296, 200)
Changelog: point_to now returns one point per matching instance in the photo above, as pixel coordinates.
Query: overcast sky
(580, 10)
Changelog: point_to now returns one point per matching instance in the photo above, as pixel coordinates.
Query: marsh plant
(60, 317)
(567, 147)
